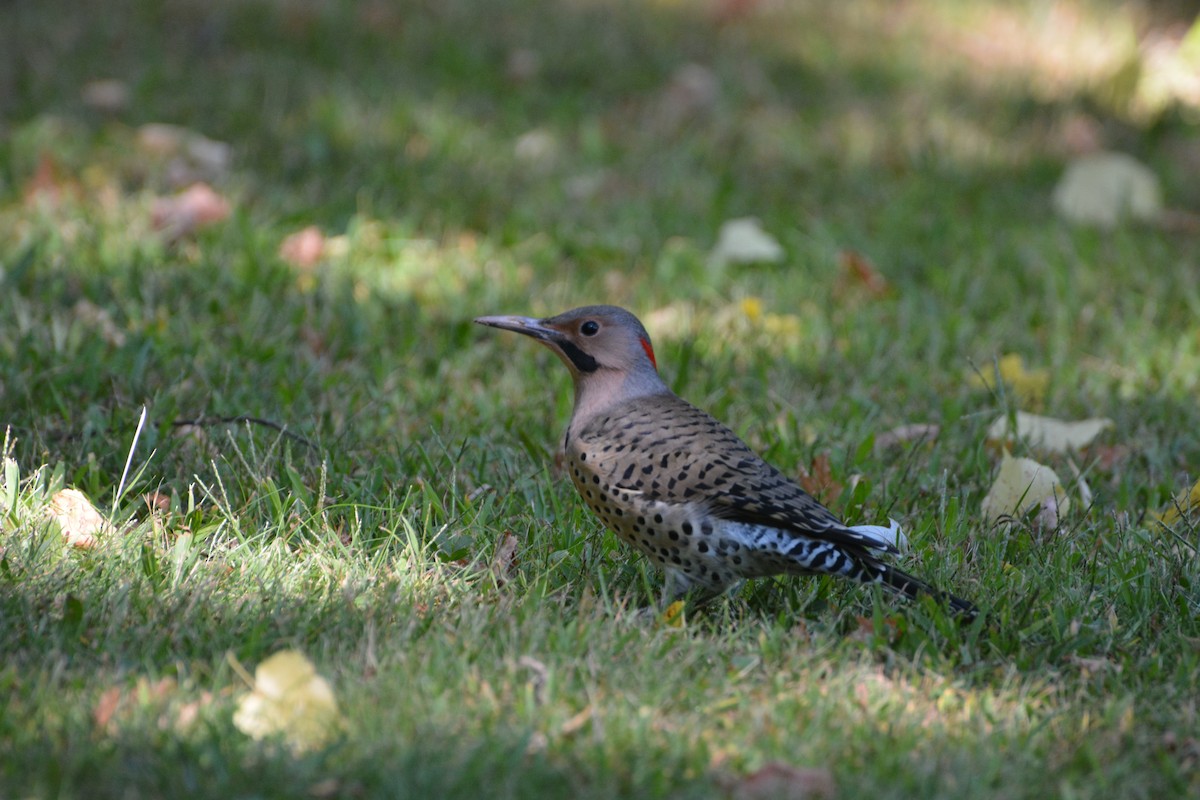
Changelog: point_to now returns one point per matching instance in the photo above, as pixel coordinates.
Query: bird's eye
(589, 328)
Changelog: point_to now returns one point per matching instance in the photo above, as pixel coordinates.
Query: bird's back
(667, 450)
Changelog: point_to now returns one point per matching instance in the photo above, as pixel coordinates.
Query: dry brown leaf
(78, 519)
(725, 12)
(576, 722)
(778, 781)
(195, 207)
(1109, 456)
(106, 707)
(48, 184)
(916, 432)
(189, 712)
(504, 558)
(304, 248)
(865, 632)
(818, 480)
(858, 271)
(157, 501)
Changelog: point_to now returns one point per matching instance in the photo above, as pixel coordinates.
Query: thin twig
(266, 423)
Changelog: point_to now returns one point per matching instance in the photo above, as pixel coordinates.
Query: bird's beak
(526, 325)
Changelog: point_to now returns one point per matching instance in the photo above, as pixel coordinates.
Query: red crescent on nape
(649, 351)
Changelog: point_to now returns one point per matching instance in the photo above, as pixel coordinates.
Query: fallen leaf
(1091, 664)
(743, 241)
(915, 432)
(504, 558)
(1021, 485)
(693, 91)
(1078, 134)
(752, 307)
(865, 632)
(1182, 506)
(99, 319)
(304, 248)
(537, 148)
(107, 96)
(106, 707)
(1047, 433)
(857, 270)
(191, 156)
(78, 519)
(1109, 456)
(1106, 188)
(778, 781)
(290, 699)
(157, 502)
(1029, 385)
(673, 616)
(196, 207)
(818, 480)
(161, 140)
(190, 712)
(576, 722)
(522, 65)
(725, 12)
(49, 185)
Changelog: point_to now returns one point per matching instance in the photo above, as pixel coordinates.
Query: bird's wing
(668, 450)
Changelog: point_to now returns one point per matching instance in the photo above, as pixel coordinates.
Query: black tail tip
(965, 609)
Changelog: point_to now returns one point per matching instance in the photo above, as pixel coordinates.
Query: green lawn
(923, 137)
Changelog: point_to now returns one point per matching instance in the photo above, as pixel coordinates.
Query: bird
(683, 489)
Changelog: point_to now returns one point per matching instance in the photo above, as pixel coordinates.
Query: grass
(365, 536)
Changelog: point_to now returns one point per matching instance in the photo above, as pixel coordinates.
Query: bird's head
(602, 346)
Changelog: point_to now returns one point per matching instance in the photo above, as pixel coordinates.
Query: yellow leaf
(290, 699)
(1185, 504)
(1049, 434)
(752, 307)
(1023, 484)
(1029, 385)
(673, 616)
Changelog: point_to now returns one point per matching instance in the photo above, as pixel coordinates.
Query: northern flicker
(682, 488)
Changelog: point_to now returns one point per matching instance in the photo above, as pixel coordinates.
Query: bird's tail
(911, 587)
